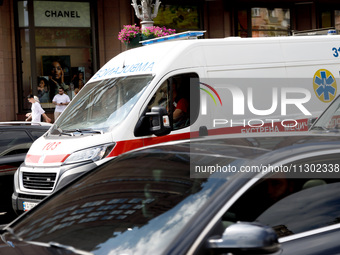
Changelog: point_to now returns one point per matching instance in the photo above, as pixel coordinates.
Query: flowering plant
(128, 32)
(158, 31)
(131, 31)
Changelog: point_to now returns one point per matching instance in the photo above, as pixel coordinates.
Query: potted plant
(130, 35)
(152, 32)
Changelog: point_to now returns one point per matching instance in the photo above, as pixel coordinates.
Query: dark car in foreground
(15, 140)
(249, 195)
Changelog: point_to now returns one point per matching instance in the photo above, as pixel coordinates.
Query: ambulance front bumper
(33, 184)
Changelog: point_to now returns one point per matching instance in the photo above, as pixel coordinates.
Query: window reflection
(179, 17)
(14, 142)
(270, 22)
(104, 104)
(124, 208)
(308, 209)
(264, 22)
(63, 37)
(337, 20)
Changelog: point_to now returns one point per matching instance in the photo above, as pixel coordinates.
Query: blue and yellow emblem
(324, 85)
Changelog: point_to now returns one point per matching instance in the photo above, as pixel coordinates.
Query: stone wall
(8, 81)
(112, 15)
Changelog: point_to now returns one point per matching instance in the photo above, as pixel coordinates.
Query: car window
(291, 205)
(311, 208)
(14, 142)
(37, 133)
(174, 95)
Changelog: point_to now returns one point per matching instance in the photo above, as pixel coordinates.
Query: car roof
(271, 141)
(267, 147)
(24, 125)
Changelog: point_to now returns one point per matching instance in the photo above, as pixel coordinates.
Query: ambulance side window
(174, 95)
(161, 97)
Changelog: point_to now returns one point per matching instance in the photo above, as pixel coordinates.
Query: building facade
(49, 44)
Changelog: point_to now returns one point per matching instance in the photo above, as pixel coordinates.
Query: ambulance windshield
(101, 105)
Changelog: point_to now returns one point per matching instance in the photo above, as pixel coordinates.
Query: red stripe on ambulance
(56, 158)
(32, 158)
(128, 145)
(48, 159)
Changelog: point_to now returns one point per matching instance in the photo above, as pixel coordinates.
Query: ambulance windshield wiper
(84, 131)
(59, 130)
(91, 131)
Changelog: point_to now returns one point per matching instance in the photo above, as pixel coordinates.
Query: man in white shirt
(37, 111)
(60, 100)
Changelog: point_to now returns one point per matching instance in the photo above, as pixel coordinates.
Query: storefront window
(264, 22)
(330, 19)
(337, 21)
(181, 18)
(326, 19)
(59, 37)
(242, 23)
(56, 48)
(270, 22)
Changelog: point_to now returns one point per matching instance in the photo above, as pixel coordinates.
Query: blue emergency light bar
(179, 36)
(331, 32)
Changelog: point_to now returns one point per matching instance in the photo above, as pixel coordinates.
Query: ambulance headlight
(93, 154)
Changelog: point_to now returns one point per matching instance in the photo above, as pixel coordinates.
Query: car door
(14, 144)
(308, 221)
(302, 208)
(14, 141)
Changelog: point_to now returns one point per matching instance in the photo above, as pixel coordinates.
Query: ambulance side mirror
(159, 121)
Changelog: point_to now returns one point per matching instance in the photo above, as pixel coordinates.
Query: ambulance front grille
(38, 181)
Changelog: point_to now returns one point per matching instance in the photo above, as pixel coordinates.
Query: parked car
(15, 140)
(266, 195)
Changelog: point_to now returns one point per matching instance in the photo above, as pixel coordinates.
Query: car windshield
(135, 205)
(330, 119)
(102, 105)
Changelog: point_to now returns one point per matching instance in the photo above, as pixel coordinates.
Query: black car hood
(17, 248)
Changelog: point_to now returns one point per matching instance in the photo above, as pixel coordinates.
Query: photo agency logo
(204, 97)
(254, 106)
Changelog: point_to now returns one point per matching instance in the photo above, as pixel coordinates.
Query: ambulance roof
(173, 55)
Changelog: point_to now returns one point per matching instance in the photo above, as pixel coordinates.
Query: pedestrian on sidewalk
(61, 100)
(37, 110)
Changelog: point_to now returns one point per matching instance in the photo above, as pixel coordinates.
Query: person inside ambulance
(180, 114)
(174, 95)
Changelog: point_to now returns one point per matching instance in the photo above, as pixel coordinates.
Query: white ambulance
(231, 85)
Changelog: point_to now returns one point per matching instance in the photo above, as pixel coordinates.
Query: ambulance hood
(54, 152)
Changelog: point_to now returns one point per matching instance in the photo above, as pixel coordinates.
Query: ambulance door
(167, 115)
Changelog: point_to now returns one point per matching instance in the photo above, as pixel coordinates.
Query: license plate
(28, 205)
